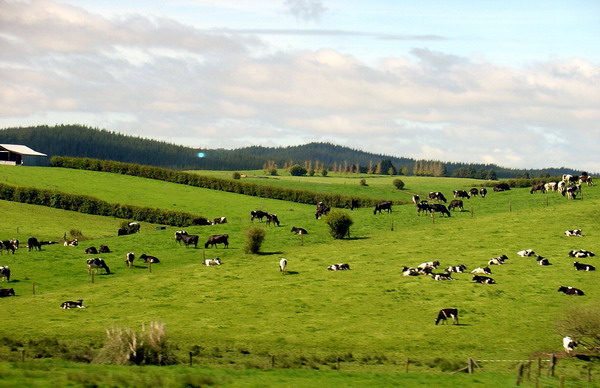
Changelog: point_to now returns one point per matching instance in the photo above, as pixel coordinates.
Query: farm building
(20, 155)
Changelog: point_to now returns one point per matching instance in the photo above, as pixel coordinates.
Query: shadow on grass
(269, 253)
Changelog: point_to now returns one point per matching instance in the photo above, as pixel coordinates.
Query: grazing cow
(73, 305)
(71, 243)
(572, 191)
(149, 259)
(91, 251)
(474, 192)
(586, 179)
(189, 239)
(422, 206)
(219, 220)
(437, 196)
(580, 253)
(257, 214)
(583, 267)
(201, 221)
(32, 243)
(322, 210)
(9, 245)
(526, 253)
(543, 261)
(299, 230)
(570, 290)
(574, 232)
(483, 192)
(96, 264)
(416, 199)
(179, 234)
(482, 270)
(429, 264)
(209, 262)
(442, 276)
(407, 271)
(129, 258)
(569, 344)
(7, 292)
(456, 204)
(538, 187)
(104, 249)
(567, 178)
(272, 218)
(283, 265)
(501, 187)
(551, 186)
(217, 239)
(457, 268)
(444, 314)
(4, 273)
(354, 204)
(483, 279)
(438, 207)
(134, 227)
(338, 267)
(461, 194)
(383, 205)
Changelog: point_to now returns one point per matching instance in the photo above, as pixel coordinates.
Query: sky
(515, 83)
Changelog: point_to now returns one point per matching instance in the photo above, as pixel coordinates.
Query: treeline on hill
(85, 142)
(95, 206)
(185, 178)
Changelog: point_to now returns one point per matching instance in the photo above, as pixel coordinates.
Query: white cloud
(306, 10)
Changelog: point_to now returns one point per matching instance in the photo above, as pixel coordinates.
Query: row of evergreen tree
(86, 142)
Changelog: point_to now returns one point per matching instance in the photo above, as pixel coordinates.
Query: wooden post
(337, 364)
(552, 365)
(392, 229)
(519, 374)
(150, 267)
(23, 355)
(301, 240)
(470, 366)
(472, 212)
(190, 358)
(433, 217)
(510, 206)
(272, 362)
(539, 367)
(92, 276)
(407, 364)
(33, 287)
(529, 370)
(589, 373)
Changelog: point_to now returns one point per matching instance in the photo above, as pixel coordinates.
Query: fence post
(92, 276)
(470, 366)
(510, 206)
(520, 374)
(337, 364)
(589, 373)
(529, 370)
(272, 362)
(190, 358)
(539, 367)
(150, 267)
(407, 364)
(392, 229)
(33, 287)
(552, 366)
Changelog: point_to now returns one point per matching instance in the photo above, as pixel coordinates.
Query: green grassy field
(243, 312)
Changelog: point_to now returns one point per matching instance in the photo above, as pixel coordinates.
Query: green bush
(236, 175)
(255, 236)
(297, 170)
(324, 172)
(339, 224)
(399, 184)
(363, 182)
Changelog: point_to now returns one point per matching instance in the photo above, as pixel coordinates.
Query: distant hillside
(82, 141)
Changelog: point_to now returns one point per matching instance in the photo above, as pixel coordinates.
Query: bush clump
(399, 183)
(255, 236)
(339, 224)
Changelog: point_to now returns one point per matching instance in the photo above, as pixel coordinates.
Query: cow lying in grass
(73, 305)
(570, 290)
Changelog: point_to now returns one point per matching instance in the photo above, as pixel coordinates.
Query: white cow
(209, 262)
(569, 344)
(283, 265)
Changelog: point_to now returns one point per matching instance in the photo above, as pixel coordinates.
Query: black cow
(272, 218)
(104, 249)
(32, 243)
(322, 210)
(474, 192)
(437, 196)
(257, 214)
(483, 192)
(5, 273)
(189, 239)
(501, 187)
(298, 230)
(438, 207)
(461, 194)
(444, 314)
(456, 204)
(73, 305)
(179, 234)
(7, 292)
(149, 259)
(218, 239)
(583, 267)
(91, 251)
(483, 279)
(354, 204)
(538, 187)
(570, 290)
(383, 205)
(95, 264)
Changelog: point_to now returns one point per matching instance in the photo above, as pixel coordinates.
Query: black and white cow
(179, 234)
(570, 290)
(569, 345)
(217, 239)
(149, 259)
(527, 253)
(7, 292)
(429, 264)
(209, 262)
(482, 270)
(437, 196)
(71, 243)
(272, 218)
(338, 267)
(439, 208)
(456, 204)
(461, 194)
(457, 268)
(283, 265)
(383, 205)
(483, 279)
(73, 305)
(422, 206)
(474, 192)
(134, 227)
(416, 199)
(498, 260)
(96, 264)
(9, 245)
(33, 243)
(543, 261)
(581, 253)
(322, 210)
(219, 221)
(299, 230)
(91, 251)
(502, 187)
(574, 232)
(583, 267)
(444, 314)
(483, 192)
(129, 258)
(257, 214)
(407, 271)
(4, 273)
(442, 276)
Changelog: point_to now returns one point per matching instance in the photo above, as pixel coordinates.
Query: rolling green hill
(241, 313)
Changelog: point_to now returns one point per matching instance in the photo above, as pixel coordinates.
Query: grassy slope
(246, 305)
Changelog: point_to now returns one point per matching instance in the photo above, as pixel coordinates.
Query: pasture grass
(244, 312)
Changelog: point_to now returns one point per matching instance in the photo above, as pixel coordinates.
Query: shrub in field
(297, 170)
(398, 183)
(363, 182)
(124, 346)
(324, 172)
(236, 175)
(255, 236)
(339, 224)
